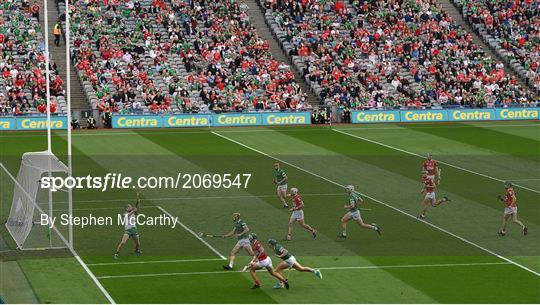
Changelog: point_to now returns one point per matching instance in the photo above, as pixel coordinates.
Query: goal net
(32, 205)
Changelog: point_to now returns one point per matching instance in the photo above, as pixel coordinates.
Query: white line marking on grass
(157, 262)
(442, 162)
(322, 268)
(95, 279)
(194, 234)
(531, 179)
(383, 203)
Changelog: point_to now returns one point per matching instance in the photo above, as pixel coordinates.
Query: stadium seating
(389, 54)
(22, 64)
(511, 28)
(156, 56)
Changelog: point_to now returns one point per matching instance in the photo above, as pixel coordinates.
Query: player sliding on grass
(280, 179)
(429, 189)
(241, 231)
(511, 209)
(130, 227)
(432, 168)
(298, 215)
(289, 261)
(262, 260)
(354, 213)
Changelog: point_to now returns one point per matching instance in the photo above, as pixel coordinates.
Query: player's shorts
(430, 195)
(264, 263)
(282, 187)
(354, 215)
(242, 243)
(290, 261)
(132, 232)
(297, 215)
(510, 210)
(431, 177)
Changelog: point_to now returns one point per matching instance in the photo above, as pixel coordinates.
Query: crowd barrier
(32, 123)
(211, 120)
(443, 115)
(282, 118)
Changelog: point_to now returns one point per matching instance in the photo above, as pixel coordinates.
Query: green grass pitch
(453, 257)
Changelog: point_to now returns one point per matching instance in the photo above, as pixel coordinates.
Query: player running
(289, 261)
(432, 168)
(428, 188)
(511, 209)
(130, 226)
(298, 215)
(241, 231)
(354, 213)
(262, 260)
(280, 179)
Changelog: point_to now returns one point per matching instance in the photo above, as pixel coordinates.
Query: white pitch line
(383, 203)
(531, 179)
(322, 268)
(442, 162)
(157, 262)
(194, 234)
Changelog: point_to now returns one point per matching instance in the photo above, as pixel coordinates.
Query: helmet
(294, 191)
(508, 184)
(235, 216)
(350, 188)
(252, 236)
(273, 242)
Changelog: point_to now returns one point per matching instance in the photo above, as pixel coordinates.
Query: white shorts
(264, 263)
(510, 210)
(282, 188)
(290, 261)
(430, 195)
(243, 243)
(354, 215)
(297, 215)
(431, 177)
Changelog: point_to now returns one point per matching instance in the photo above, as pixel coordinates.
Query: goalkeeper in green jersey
(130, 226)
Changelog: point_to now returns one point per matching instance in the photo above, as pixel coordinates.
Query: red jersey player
(298, 215)
(428, 188)
(510, 210)
(432, 168)
(262, 260)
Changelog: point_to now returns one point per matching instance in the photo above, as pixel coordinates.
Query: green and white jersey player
(130, 226)
(353, 212)
(280, 179)
(289, 261)
(241, 232)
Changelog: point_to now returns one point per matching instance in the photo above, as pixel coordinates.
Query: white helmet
(294, 191)
(350, 188)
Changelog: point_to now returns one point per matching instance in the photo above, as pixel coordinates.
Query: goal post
(30, 202)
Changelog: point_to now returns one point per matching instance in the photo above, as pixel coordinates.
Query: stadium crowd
(182, 56)
(22, 61)
(515, 24)
(392, 54)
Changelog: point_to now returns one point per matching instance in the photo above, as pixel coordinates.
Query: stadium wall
(282, 118)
